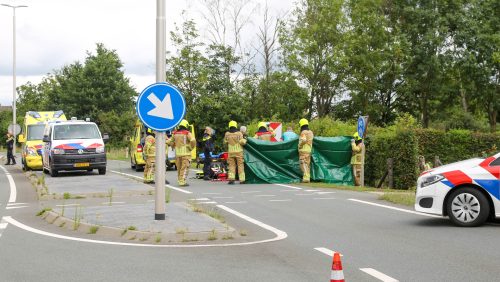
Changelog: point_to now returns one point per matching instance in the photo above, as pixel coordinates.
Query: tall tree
(313, 43)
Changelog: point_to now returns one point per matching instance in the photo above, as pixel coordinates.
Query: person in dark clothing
(10, 147)
(207, 144)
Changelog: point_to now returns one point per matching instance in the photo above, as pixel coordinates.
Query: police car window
(495, 162)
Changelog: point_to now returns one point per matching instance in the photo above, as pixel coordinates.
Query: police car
(468, 192)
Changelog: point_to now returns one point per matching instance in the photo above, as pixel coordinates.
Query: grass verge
(118, 154)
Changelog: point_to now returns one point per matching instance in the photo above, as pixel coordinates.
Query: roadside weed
(110, 194)
(213, 235)
(243, 232)
(66, 196)
(93, 229)
(131, 227)
(41, 212)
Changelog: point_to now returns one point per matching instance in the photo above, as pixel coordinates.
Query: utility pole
(14, 96)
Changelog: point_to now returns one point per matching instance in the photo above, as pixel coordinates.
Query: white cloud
(52, 33)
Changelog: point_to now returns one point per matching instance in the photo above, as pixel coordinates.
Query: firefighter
(263, 133)
(183, 142)
(149, 157)
(357, 159)
(207, 144)
(235, 141)
(10, 147)
(305, 148)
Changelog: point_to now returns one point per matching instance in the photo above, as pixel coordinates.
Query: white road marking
(13, 190)
(201, 199)
(394, 208)
(241, 202)
(287, 200)
(68, 205)
(288, 190)
(379, 275)
(223, 197)
(280, 235)
(3, 225)
(327, 252)
(324, 193)
(16, 207)
(288, 186)
(311, 190)
(140, 178)
(265, 195)
(16, 204)
(324, 198)
(250, 192)
(207, 203)
(107, 203)
(306, 194)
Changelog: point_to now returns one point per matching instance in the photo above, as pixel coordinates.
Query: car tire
(139, 168)
(102, 171)
(53, 172)
(45, 170)
(132, 165)
(468, 207)
(89, 170)
(23, 165)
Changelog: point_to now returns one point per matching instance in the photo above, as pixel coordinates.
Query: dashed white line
(394, 208)
(207, 203)
(265, 195)
(288, 190)
(140, 178)
(16, 207)
(68, 205)
(312, 190)
(327, 252)
(306, 194)
(288, 186)
(250, 192)
(201, 199)
(379, 275)
(16, 204)
(324, 193)
(286, 200)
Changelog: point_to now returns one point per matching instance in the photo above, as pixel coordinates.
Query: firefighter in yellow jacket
(357, 158)
(263, 133)
(235, 143)
(305, 148)
(149, 156)
(183, 142)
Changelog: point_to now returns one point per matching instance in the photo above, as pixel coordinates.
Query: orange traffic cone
(337, 272)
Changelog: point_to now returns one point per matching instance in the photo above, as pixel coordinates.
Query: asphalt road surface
(378, 241)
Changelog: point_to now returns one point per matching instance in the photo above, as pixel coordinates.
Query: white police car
(467, 191)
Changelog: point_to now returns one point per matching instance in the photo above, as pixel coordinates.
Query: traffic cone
(337, 272)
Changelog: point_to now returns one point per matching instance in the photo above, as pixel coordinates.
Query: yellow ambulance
(32, 135)
(136, 146)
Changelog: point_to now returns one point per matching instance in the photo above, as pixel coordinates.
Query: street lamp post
(14, 121)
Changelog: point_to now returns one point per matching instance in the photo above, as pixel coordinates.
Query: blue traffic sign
(361, 126)
(161, 106)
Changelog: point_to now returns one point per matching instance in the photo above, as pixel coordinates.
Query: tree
(314, 50)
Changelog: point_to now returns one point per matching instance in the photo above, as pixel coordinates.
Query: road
(377, 242)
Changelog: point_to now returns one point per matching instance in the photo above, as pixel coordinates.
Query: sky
(54, 33)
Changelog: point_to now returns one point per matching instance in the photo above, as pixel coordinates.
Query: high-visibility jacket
(234, 141)
(357, 150)
(183, 142)
(306, 141)
(149, 146)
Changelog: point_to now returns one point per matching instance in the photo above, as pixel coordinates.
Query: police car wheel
(468, 207)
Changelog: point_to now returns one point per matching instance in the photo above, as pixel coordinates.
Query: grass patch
(124, 231)
(180, 230)
(119, 154)
(43, 211)
(403, 198)
(214, 213)
(131, 227)
(62, 224)
(66, 196)
(213, 235)
(227, 237)
(243, 232)
(158, 238)
(93, 229)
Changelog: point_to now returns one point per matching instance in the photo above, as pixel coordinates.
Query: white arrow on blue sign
(161, 106)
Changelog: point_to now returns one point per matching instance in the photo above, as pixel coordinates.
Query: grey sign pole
(160, 136)
(14, 120)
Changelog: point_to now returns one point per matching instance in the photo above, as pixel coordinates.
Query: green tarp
(278, 162)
